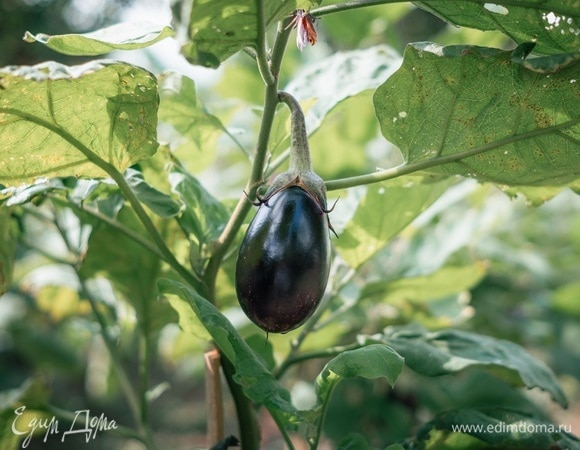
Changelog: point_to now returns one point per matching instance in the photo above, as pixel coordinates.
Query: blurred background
(530, 293)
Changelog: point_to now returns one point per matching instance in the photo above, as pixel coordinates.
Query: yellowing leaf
(57, 120)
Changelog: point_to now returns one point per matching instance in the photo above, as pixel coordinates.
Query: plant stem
(124, 380)
(299, 151)
(406, 169)
(322, 353)
(224, 241)
(262, 47)
(247, 419)
(128, 232)
(355, 4)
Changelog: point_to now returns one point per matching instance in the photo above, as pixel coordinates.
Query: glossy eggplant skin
(284, 261)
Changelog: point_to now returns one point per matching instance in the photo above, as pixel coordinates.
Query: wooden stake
(214, 402)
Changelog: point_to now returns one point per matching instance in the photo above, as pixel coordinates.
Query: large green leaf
(553, 24)
(123, 36)
(384, 211)
(448, 351)
(257, 382)
(220, 28)
(57, 120)
(485, 115)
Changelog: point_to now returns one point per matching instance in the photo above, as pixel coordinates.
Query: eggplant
(284, 260)
(283, 263)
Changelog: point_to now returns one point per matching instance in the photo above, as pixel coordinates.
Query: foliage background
(520, 262)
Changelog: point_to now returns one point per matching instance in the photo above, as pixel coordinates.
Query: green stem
(247, 419)
(322, 353)
(355, 4)
(124, 379)
(144, 360)
(281, 426)
(262, 47)
(128, 232)
(299, 151)
(406, 169)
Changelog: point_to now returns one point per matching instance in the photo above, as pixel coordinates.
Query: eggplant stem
(299, 151)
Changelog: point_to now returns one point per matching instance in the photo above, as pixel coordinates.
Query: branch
(128, 232)
(356, 4)
(406, 169)
(262, 50)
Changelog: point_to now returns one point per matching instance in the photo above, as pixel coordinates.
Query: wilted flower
(305, 31)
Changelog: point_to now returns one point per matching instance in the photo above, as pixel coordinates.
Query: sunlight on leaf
(342, 75)
(123, 36)
(181, 110)
(552, 24)
(385, 210)
(57, 120)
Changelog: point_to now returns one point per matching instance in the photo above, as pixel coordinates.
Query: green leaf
(19, 195)
(204, 216)
(449, 351)
(444, 282)
(257, 382)
(353, 441)
(370, 361)
(161, 204)
(220, 28)
(7, 248)
(339, 76)
(57, 120)
(552, 24)
(385, 210)
(263, 348)
(130, 268)
(495, 428)
(123, 36)
(181, 109)
(483, 116)
(188, 320)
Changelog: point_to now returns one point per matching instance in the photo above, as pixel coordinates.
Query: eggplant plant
(409, 276)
